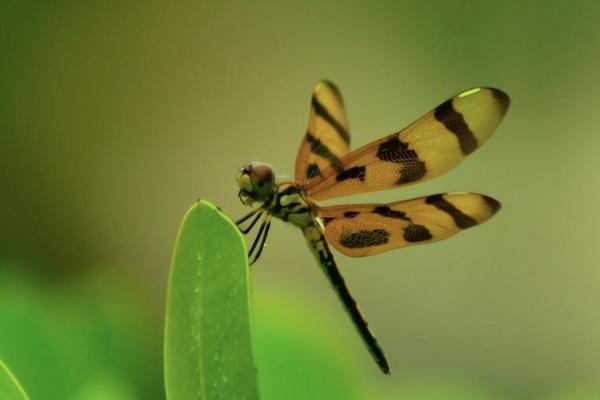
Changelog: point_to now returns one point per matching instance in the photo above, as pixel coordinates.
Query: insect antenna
(262, 243)
(249, 228)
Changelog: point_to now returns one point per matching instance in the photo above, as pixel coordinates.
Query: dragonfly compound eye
(262, 179)
(256, 181)
(260, 173)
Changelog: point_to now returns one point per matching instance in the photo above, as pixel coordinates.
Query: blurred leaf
(106, 387)
(10, 388)
(61, 339)
(208, 351)
(439, 388)
(301, 354)
(583, 392)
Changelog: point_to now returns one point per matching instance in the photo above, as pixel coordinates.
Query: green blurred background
(116, 116)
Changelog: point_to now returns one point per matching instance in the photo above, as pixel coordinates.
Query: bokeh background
(116, 116)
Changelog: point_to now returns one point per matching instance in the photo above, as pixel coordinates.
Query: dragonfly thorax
(289, 204)
(257, 183)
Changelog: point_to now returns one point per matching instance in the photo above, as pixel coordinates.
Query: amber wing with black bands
(327, 138)
(430, 147)
(367, 229)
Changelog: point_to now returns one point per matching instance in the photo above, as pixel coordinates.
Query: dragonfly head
(256, 182)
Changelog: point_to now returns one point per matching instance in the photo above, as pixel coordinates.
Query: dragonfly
(326, 169)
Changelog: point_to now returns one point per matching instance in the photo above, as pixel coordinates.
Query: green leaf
(10, 388)
(208, 353)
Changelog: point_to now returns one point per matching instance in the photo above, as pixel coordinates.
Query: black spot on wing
(312, 170)
(387, 212)
(455, 123)
(463, 221)
(322, 112)
(493, 204)
(357, 172)
(394, 150)
(351, 214)
(416, 233)
(502, 99)
(361, 239)
(322, 150)
(334, 89)
(412, 173)
(327, 220)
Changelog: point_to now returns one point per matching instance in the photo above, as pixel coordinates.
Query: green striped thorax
(256, 182)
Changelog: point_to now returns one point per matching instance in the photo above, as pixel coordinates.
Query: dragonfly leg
(249, 228)
(262, 243)
(247, 216)
(258, 238)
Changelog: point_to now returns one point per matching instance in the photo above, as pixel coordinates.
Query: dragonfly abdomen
(313, 232)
